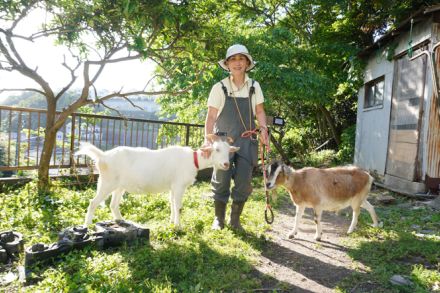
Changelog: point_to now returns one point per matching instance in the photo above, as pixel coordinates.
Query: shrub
(3, 162)
(296, 143)
(324, 158)
(345, 154)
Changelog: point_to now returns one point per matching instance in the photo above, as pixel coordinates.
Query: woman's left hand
(264, 136)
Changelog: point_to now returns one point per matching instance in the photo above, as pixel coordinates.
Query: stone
(400, 280)
(8, 278)
(385, 199)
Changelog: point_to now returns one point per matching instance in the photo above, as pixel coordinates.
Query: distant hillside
(37, 101)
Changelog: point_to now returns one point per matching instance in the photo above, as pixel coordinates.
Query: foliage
(98, 33)
(346, 149)
(198, 259)
(406, 245)
(296, 142)
(321, 159)
(306, 61)
(195, 257)
(3, 161)
(306, 52)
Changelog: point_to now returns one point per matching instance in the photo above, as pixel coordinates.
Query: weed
(198, 259)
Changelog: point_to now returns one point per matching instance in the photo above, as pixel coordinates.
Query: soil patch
(303, 264)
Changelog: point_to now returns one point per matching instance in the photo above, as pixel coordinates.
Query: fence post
(72, 143)
(187, 135)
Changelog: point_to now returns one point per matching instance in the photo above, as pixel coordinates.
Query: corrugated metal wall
(433, 140)
(405, 121)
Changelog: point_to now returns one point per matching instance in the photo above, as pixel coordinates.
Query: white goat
(329, 189)
(141, 170)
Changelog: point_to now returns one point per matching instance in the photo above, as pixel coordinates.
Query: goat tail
(370, 180)
(90, 150)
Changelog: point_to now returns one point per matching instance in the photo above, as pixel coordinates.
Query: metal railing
(22, 136)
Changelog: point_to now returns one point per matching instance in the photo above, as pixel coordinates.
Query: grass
(197, 259)
(190, 260)
(397, 249)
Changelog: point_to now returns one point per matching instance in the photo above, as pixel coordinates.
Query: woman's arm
(261, 118)
(211, 116)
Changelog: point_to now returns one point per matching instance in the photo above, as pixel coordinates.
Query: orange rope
(249, 133)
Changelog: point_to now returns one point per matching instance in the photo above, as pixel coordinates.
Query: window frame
(369, 87)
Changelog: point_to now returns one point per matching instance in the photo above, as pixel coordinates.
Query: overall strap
(252, 89)
(225, 90)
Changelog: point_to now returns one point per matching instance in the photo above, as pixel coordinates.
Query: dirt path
(303, 264)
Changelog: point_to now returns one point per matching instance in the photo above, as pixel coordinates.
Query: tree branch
(151, 79)
(109, 61)
(117, 111)
(19, 65)
(24, 89)
(23, 14)
(132, 104)
(72, 76)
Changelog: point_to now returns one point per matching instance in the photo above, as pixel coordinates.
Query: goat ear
(229, 140)
(233, 149)
(212, 137)
(286, 169)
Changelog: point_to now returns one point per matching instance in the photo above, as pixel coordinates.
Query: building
(398, 126)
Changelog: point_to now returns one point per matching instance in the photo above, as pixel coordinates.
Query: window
(374, 92)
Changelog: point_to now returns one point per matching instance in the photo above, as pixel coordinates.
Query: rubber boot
(236, 209)
(220, 211)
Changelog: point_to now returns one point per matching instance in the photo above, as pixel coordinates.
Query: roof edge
(417, 16)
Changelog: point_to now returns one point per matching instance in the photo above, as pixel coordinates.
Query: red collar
(196, 160)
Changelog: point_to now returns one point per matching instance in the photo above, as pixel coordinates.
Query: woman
(232, 105)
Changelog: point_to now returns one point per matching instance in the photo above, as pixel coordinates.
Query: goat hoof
(318, 238)
(291, 235)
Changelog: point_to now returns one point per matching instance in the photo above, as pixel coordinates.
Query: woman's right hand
(205, 151)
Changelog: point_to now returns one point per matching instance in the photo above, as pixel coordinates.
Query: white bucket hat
(234, 50)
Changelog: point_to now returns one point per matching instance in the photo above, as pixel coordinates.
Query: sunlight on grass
(198, 259)
(396, 250)
(194, 257)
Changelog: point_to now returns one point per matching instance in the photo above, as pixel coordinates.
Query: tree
(97, 33)
(307, 61)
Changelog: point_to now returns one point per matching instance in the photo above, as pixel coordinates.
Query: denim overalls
(228, 123)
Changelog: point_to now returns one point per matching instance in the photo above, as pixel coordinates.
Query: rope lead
(250, 134)
(269, 219)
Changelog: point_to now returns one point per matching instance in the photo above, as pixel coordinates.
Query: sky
(47, 57)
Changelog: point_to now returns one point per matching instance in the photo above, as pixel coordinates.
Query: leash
(268, 208)
(268, 213)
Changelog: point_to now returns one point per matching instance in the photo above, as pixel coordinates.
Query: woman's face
(237, 64)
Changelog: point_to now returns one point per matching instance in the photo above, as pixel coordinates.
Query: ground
(303, 264)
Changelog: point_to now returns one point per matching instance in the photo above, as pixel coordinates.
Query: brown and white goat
(328, 189)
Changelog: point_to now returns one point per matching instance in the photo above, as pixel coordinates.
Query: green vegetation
(182, 261)
(197, 259)
(407, 245)
(307, 64)
(306, 53)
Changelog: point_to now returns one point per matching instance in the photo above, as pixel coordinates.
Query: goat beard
(214, 178)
